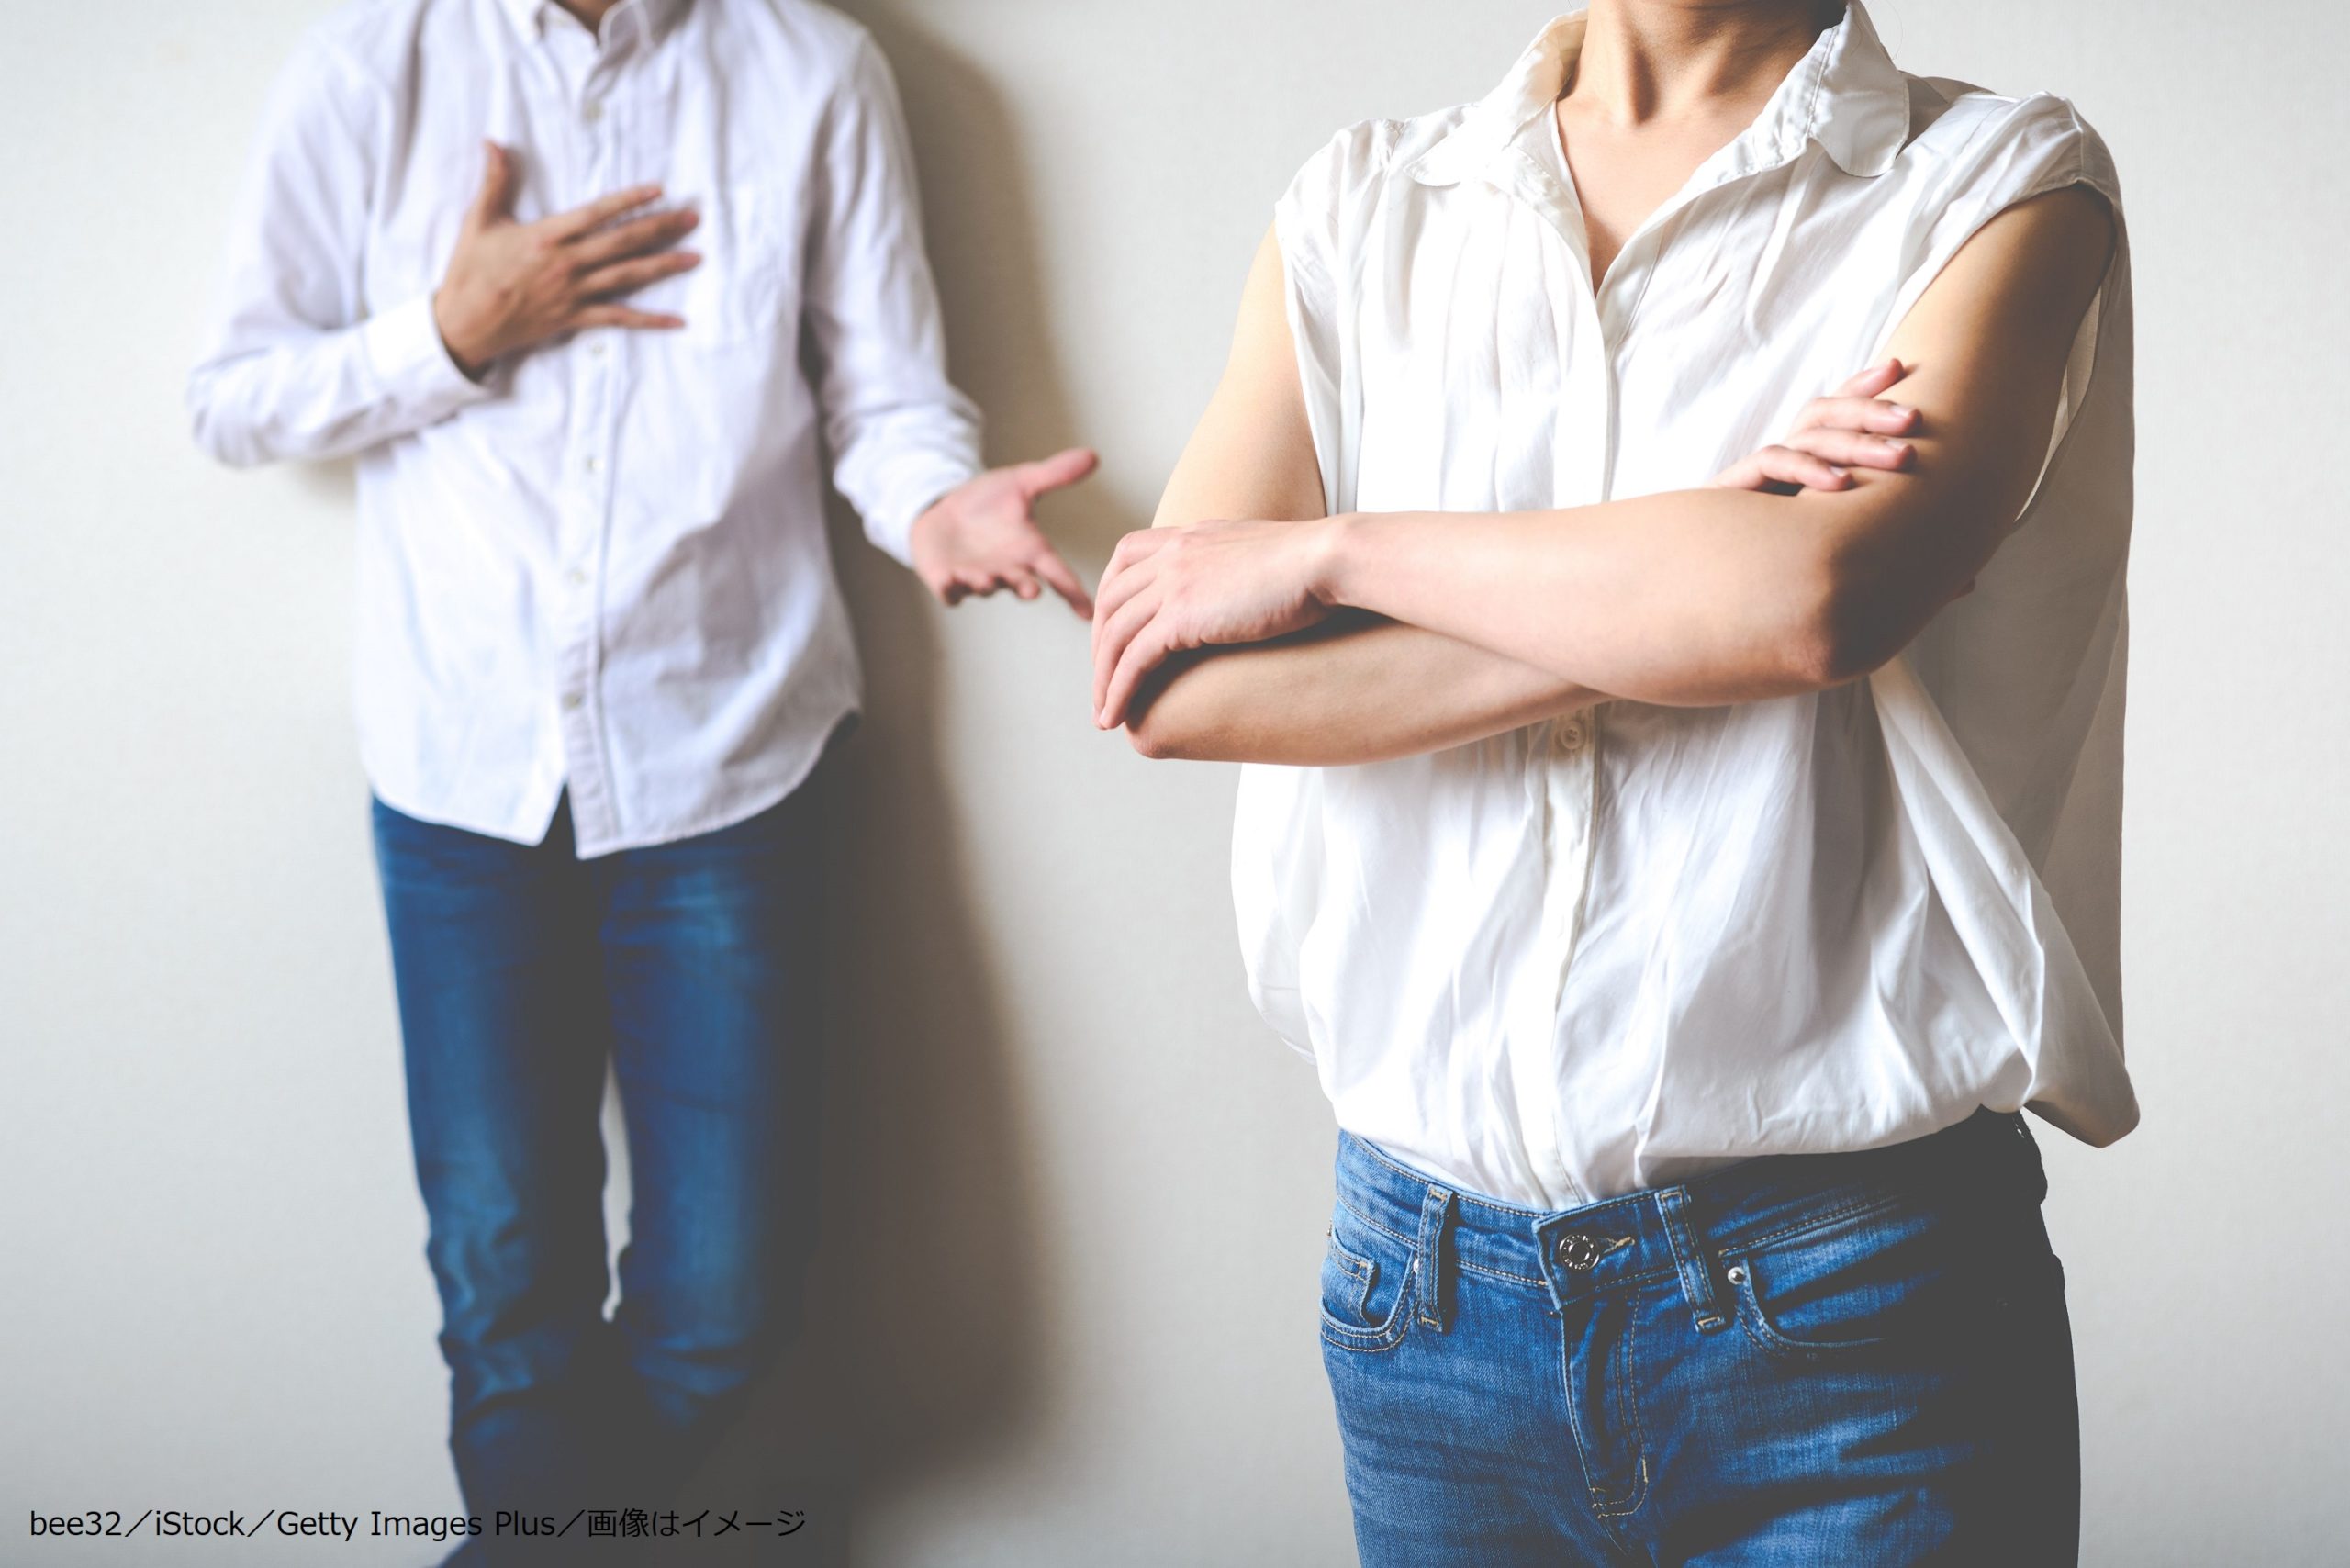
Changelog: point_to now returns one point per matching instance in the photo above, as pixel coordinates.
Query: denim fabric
(691, 969)
(1857, 1359)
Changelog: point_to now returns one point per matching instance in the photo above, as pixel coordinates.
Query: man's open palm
(982, 535)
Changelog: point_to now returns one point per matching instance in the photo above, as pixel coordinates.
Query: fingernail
(1840, 473)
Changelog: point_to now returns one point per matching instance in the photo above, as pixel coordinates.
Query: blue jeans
(691, 969)
(1856, 1358)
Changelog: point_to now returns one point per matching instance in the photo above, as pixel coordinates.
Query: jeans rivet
(1737, 1275)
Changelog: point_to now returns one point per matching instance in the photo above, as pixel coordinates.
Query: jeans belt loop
(1436, 1211)
(1697, 1281)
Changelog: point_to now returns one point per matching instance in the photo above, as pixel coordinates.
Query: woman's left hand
(1856, 426)
(1171, 589)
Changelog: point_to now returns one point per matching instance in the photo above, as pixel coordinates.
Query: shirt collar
(1845, 93)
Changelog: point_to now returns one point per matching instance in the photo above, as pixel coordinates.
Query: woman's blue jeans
(692, 969)
(1857, 1359)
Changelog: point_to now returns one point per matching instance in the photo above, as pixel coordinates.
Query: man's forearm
(1356, 689)
(297, 391)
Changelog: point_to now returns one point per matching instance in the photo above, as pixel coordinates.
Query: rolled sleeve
(412, 365)
(293, 365)
(900, 434)
(905, 489)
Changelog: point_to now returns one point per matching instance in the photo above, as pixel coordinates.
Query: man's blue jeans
(1823, 1360)
(692, 968)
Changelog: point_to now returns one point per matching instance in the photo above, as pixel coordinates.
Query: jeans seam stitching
(1411, 1241)
(1757, 1328)
(1386, 1337)
(1380, 1337)
(1743, 1244)
(1362, 1269)
(1616, 1507)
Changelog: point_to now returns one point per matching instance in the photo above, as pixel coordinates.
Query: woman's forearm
(1694, 597)
(1689, 598)
(1721, 596)
(1354, 689)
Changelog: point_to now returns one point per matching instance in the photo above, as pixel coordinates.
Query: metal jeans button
(1578, 1252)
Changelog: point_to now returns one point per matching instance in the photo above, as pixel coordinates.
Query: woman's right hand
(1853, 427)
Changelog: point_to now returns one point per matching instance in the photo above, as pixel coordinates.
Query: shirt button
(593, 464)
(596, 349)
(591, 111)
(571, 701)
(576, 577)
(1571, 734)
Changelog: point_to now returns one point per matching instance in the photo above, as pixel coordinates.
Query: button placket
(591, 372)
(1570, 795)
(585, 523)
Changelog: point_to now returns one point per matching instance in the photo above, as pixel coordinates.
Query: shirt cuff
(915, 484)
(413, 365)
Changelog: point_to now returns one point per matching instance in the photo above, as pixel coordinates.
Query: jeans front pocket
(1368, 1273)
(1899, 1274)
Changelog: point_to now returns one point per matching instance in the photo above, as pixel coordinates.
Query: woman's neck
(1646, 61)
(590, 13)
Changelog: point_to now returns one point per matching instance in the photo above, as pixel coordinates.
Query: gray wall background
(1078, 1191)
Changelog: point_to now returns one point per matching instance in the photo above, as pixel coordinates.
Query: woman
(1680, 888)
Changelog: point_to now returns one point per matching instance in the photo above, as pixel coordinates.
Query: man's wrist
(406, 353)
(931, 517)
(471, 365)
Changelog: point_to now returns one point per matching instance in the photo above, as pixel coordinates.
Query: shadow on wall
(926, 1330)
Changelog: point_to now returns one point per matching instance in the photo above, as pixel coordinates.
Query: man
(1679, 887)
(601, 649)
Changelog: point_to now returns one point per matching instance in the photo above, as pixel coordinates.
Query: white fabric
(1640, 943)
(606, 568)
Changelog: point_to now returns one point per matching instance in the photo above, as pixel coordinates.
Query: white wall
(1078, 1193)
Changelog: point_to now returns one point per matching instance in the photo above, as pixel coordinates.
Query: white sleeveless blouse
(1626, 948)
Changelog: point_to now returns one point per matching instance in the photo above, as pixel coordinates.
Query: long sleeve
(292, 366)
(900, 433)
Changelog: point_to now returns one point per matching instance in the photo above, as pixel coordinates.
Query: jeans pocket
(1896, 1275)
(1368, 1273)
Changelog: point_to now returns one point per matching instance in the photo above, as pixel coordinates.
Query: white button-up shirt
(605, 568)
(1641, 942)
